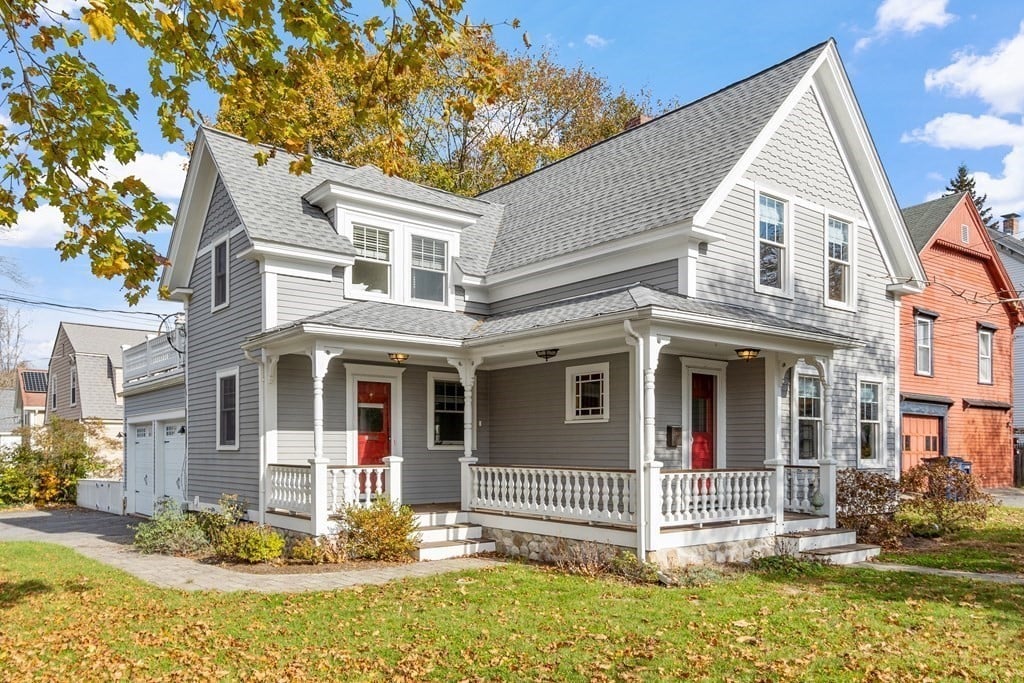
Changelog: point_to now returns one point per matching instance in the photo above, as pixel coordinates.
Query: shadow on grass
(13, 592)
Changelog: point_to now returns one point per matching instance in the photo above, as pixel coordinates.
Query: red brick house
(956, 344)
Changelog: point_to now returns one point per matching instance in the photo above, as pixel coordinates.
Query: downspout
(261, 382)
(635, 340)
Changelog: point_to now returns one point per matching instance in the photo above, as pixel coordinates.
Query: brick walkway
(107, 538)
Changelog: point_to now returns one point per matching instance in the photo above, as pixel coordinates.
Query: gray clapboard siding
(528, 418)
(1014, 264)
(664, 275)
(299, 297)
(295, 411)
(744, 409)
(214, 344)
(59, 379)
(162, 400)
(668, 386)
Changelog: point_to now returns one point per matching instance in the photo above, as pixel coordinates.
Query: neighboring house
(1011, 253)
(665, 342)
(957, 352)
(10, 420)
(84, 379)
(31, 399)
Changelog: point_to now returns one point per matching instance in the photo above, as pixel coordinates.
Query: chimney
(1010, 223)
(638, 120)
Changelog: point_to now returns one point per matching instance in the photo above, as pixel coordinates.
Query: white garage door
(173, 470)
(140, 439)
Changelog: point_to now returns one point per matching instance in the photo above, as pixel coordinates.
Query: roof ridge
(663, 115)
(108, 327)
(947, 197)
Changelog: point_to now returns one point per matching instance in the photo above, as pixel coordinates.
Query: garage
(920, 439)
(156, 461)
(142, 457)
(172, 480)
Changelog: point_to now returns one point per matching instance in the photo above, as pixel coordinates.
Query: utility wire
(71, 307)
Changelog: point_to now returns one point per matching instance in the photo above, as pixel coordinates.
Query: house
(84, 380)
(10, 419)
(957, 344)
(667, 342)
(30, 401)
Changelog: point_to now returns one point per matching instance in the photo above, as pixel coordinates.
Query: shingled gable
(923, 220)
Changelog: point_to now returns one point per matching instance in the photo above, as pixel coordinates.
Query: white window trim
(719, 370)
(447, 271)
(881, 462)
(987, 332)
(53, 394)
(794, 431)
(786, 271)
(356, 372)
(432, 377)
(226, 241)
(851, 285)
(965, 234)
(228, 372)
(353, 290)
(73, 388)
(570, 392)
(918, 319)
(402, 232)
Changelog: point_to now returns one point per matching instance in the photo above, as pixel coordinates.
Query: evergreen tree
(964, 182)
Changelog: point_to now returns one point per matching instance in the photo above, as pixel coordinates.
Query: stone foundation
(714, 553)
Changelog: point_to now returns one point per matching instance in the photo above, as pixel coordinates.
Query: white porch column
(467, 377)
(318, 496)
(774, 375)
(827, 471)
(321, 361)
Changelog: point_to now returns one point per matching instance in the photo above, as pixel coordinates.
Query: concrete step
(844, 554)
(802, 541)
(449, 532)
(444, 550)
(441, 518)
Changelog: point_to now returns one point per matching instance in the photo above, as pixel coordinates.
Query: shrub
(633, 569)
(585, 559)
(695, 576)
(230, 511)
(250, 543)
(16, 475)
(867, 503)
(170, 532)
(787, 565)
(944, 498)
(381, 531)
(322, 550)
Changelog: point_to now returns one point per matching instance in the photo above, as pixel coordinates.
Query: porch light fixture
(748, 354)
(547, 354)
(398, 357)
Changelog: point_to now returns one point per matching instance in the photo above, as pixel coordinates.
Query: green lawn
(995, 545)
(68, 618)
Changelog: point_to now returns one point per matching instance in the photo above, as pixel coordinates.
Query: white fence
(154, 356)
(572, 494)
(354, 486)
(290, 487)
(801, 484)
(716, 496)
(105, 495)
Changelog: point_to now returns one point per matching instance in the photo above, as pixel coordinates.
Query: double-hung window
(220, 274)
(924, 327)
(53, 393)
(772, 253)
(985, 355)
(372, 269)
(447, 412)
(809, 418)
(870, 418)
(586, 393)
(429, 269)
(839, 271)
(227, 409)
(74, 387)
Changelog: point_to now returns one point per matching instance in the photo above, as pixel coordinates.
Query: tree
(964, 182)
(11, 347)
(541, 112)
(68, 121)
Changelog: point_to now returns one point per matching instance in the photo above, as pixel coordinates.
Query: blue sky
(940, 82)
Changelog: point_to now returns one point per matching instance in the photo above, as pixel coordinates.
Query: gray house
(666, 342)
(1011, 252)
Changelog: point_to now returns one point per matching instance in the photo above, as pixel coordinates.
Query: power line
(71, 307)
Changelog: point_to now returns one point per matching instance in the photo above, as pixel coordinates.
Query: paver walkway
(1016, 579)
(107, 538)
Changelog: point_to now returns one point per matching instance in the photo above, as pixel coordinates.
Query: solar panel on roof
(35, 381)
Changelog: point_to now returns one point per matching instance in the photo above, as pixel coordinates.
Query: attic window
(372, 269)
(429, 268)
(219, 275)
(965, 234)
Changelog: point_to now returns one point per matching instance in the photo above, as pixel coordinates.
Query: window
(586, 393)
(965, 234)
(53, 394)
(870, 422)
(906, 442)
(446, 412)
(931, 443)
(143, 432)
(227, 409)
(372, 269)
(839, 258)
(74, 386)
(923, 345)
(220, 274)
(772, 256)
(809, 423)
(429, 269)
(984, 356)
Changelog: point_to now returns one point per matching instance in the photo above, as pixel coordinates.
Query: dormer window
(372, 269)
(429, 269)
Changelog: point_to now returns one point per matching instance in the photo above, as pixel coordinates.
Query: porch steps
(447, 534)
(835, 546)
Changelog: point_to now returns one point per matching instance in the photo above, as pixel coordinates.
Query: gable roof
(32, 385)
(101, 340)
(924, 220)
(9, 417)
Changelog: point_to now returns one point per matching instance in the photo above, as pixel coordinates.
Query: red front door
(374, 409)
(702, 421)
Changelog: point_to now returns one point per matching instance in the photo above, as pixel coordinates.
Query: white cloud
(907, 16)
(596, 41)
(163, 173)
(963, 131)
(997, 78)
(40, 228)
(1005, 192)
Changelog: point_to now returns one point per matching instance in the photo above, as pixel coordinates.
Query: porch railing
(801, 484)
(573, 494)
(696, 497)
(290, 487)
(357, 486)
(154, 356)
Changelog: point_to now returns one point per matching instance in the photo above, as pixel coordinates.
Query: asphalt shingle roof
(101, 340)
(923, 220)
